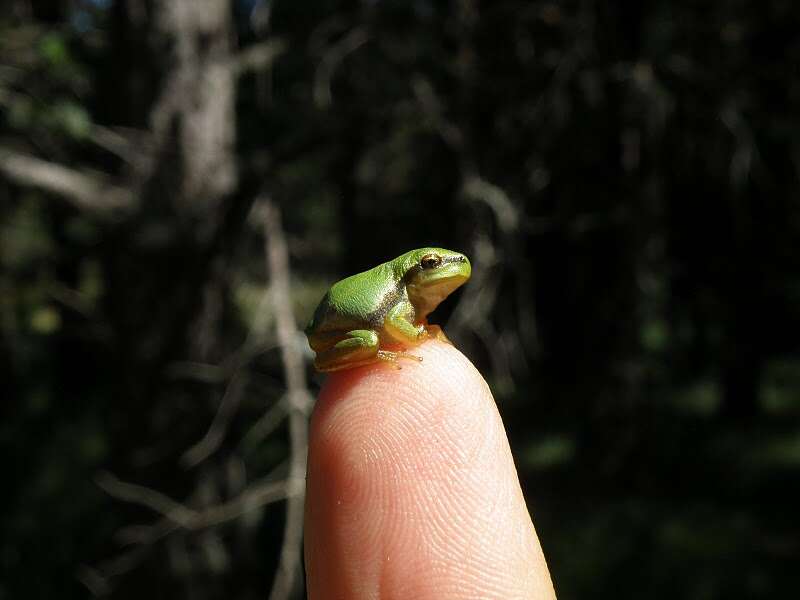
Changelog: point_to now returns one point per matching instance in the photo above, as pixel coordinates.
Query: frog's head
(431, 274)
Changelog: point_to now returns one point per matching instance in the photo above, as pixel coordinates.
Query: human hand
(412, 491)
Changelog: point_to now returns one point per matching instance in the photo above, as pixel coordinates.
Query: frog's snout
(466, 267)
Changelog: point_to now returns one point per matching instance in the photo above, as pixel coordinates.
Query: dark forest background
(180, 181)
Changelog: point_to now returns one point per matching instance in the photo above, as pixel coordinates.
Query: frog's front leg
(398, 327)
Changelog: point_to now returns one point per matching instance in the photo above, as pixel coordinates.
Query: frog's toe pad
(437, 332)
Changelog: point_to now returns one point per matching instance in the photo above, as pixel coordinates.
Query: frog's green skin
(387, 306)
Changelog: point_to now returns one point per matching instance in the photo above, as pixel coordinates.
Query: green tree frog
(373, 316)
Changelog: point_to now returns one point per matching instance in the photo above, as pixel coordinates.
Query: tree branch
(216, 432)
(152, 499)
(299, 399)
(323, 97)
(258, 56)
(92, 192)
(87, 191)
(191, 519)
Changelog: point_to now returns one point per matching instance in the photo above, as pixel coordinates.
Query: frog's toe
(389, 357)
(437, 332)
(393, 357)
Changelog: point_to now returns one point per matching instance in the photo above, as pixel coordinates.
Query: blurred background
(181, 180)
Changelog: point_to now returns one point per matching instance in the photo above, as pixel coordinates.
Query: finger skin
(412, 491)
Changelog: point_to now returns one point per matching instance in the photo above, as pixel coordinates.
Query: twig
(337, 53)
(258, 56)
(431, 107)
(174, 516)
(216, 432)
(152, 499)
(134, 146)
(91, 192)
(231, 398)
(97, 579)
(188, 518)
(197, 371)
(263, 427)
(298, 398)
(504, 209)
(255, 497)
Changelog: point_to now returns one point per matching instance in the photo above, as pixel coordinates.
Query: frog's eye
(430, 261)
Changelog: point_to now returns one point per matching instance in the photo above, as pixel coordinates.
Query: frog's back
(358, 301)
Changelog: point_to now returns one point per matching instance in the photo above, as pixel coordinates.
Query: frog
(377, 315)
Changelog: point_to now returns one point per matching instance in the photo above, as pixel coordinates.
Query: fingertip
(443, 373)
(411, 485)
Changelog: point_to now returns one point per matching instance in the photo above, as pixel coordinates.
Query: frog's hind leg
(359, 347)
